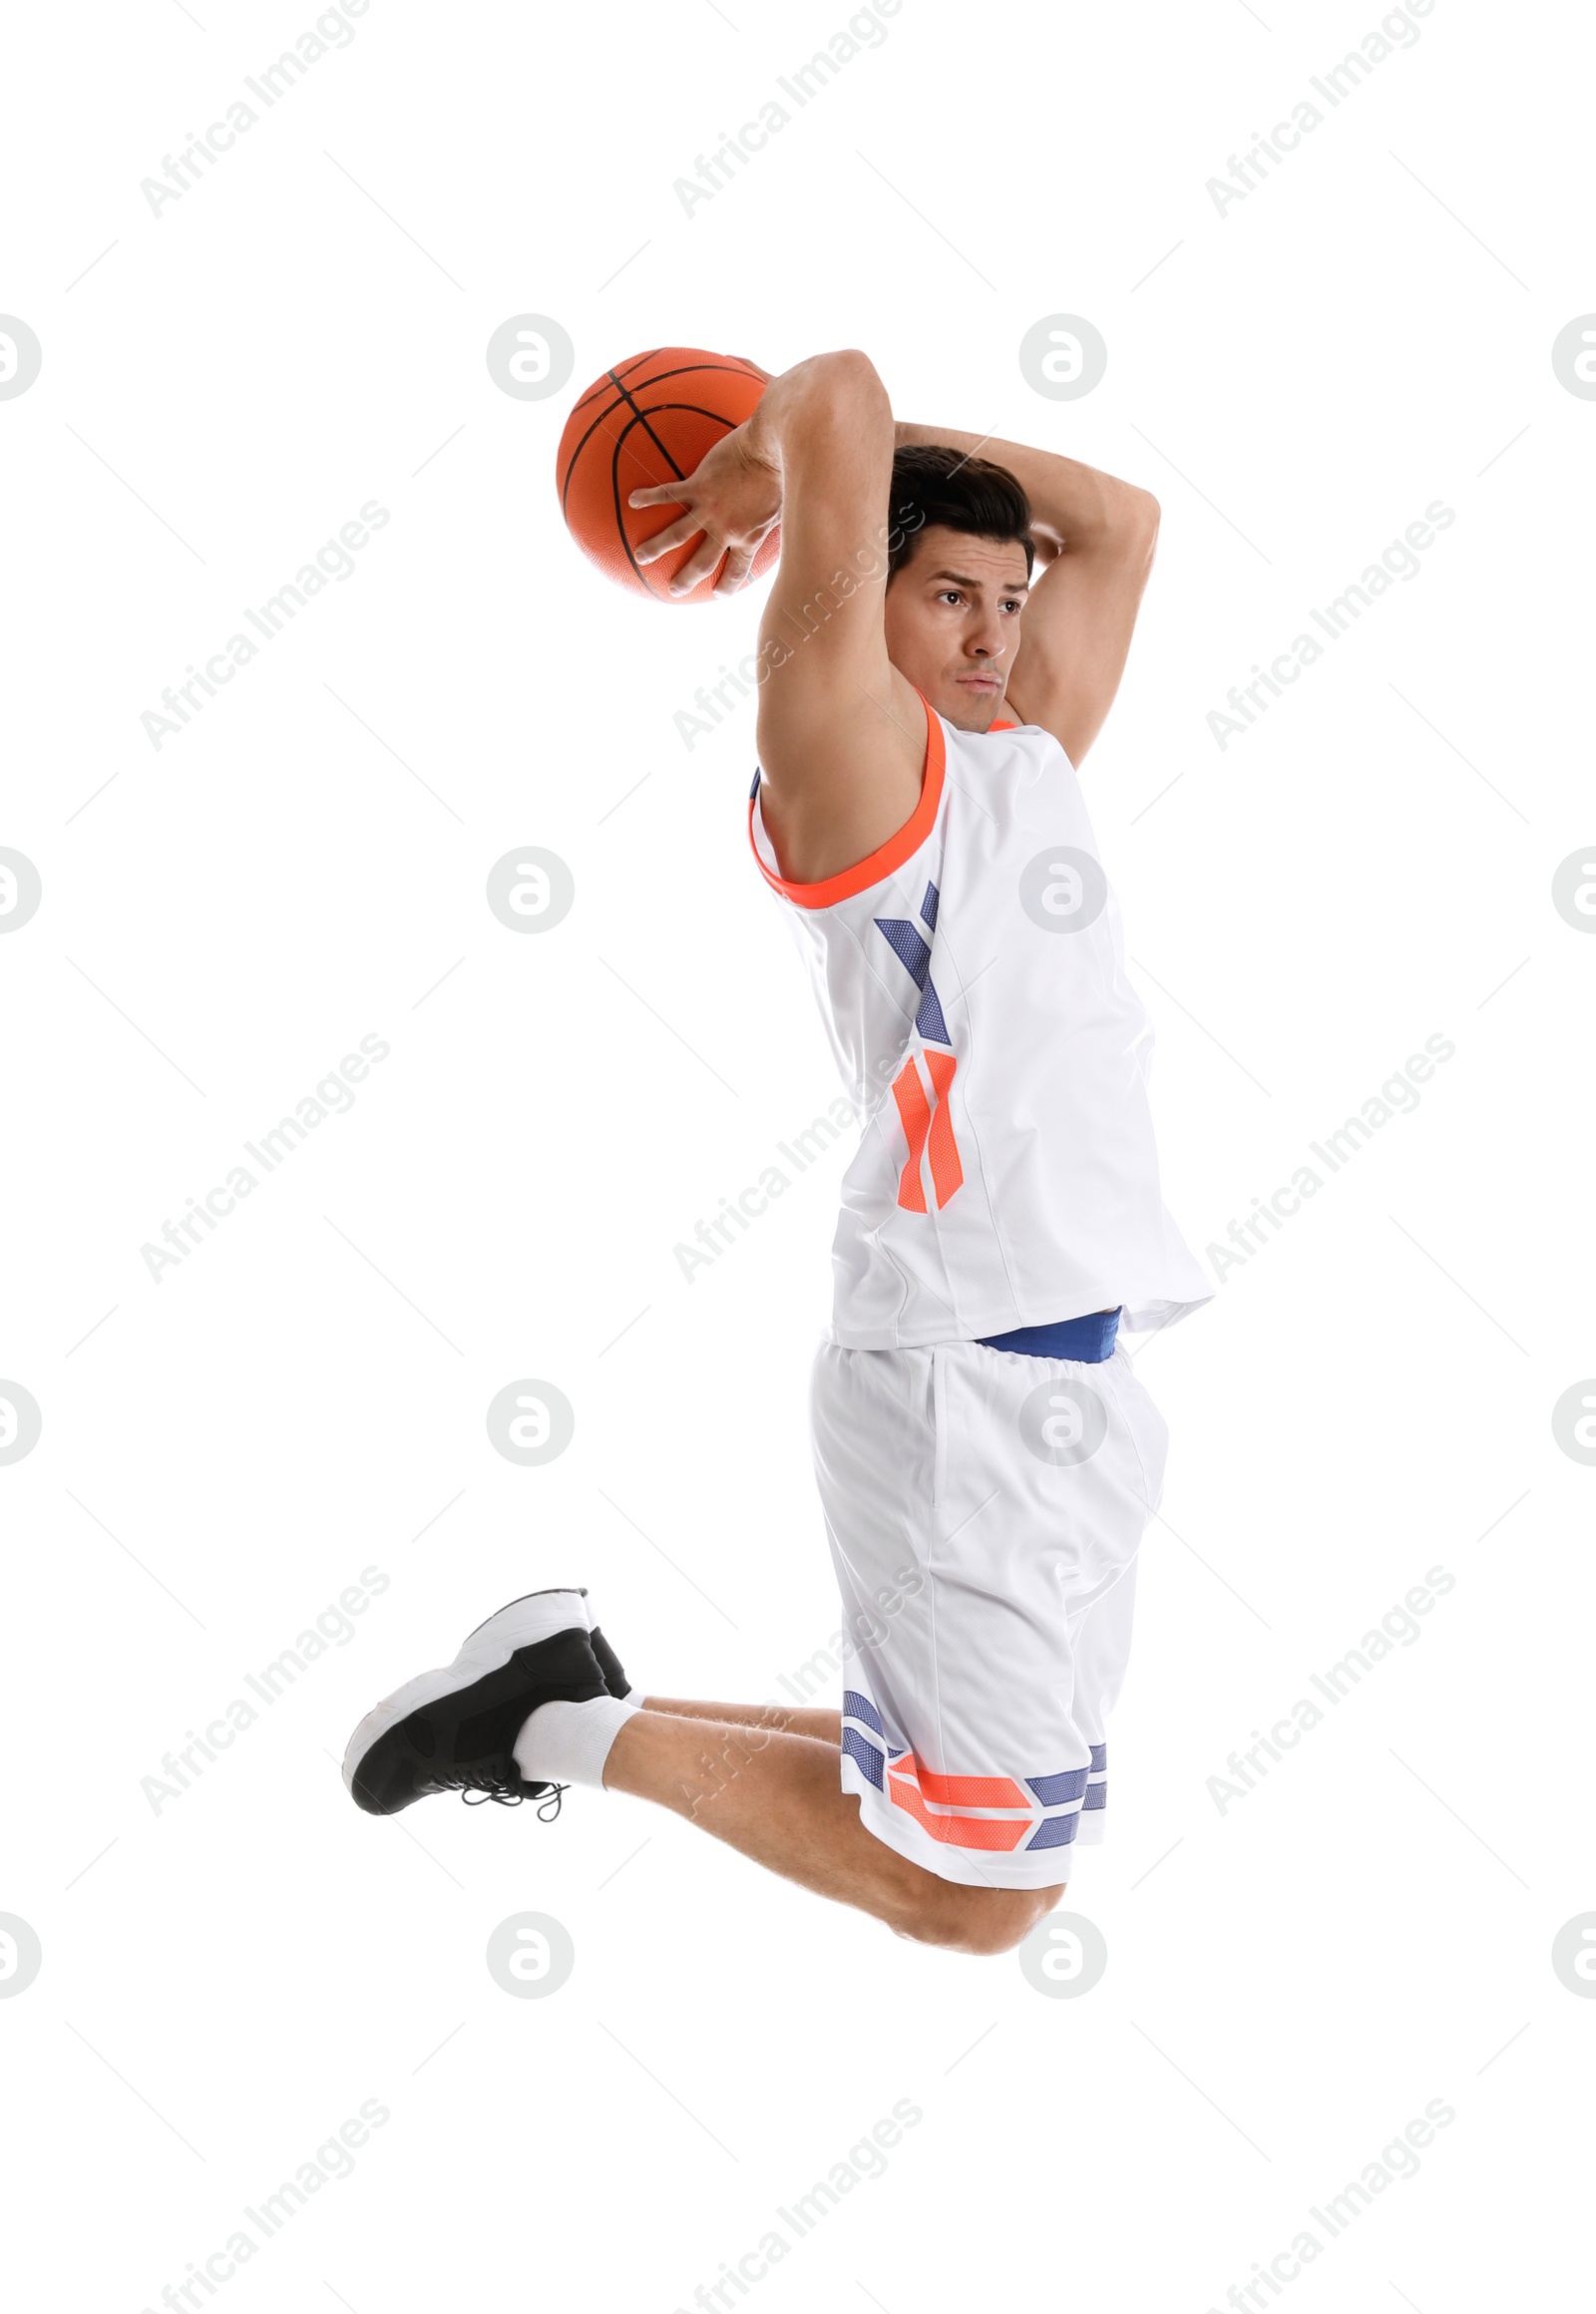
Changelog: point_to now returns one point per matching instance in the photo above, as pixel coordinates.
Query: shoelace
(476, 1790)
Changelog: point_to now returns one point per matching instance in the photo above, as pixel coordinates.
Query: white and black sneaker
(608, 1662)
(455, 1729)
(616, 1678)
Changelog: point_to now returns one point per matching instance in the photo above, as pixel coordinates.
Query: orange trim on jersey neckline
(888, 857)
(1003, 726)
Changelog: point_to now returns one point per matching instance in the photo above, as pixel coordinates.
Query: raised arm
(1094, 537)
(842, 734)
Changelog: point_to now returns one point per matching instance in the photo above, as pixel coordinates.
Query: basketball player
(944, 636)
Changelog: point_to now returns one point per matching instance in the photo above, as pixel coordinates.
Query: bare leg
(774, 1796)
(781, 1719)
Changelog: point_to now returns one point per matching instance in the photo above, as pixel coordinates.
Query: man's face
(952, 622)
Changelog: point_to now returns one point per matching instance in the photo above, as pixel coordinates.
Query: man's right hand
(733, 497)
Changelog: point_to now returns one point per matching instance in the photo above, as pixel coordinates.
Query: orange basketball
(651, 420)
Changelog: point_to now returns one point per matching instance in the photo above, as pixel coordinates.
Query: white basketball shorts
(985, 1511)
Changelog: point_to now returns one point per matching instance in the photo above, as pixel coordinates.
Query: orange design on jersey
(946, 1171)
(926, 1124)
(914, 1111)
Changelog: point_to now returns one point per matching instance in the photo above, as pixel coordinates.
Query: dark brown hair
(931, 483)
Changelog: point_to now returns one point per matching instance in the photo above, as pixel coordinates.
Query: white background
(1292, 1980)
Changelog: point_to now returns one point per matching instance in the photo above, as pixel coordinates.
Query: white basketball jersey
(972, 980)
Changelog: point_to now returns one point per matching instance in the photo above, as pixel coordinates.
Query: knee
(982, 1921)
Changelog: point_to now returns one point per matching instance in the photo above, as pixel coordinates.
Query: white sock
(569, 1743)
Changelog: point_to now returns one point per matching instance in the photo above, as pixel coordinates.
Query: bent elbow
(853, 361)
(1145, 514)
(1135, 530)
(853, 379)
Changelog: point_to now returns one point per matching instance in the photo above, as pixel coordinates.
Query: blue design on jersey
(929, 1019)
(913, 953)
(868, 1757)
(907, 945)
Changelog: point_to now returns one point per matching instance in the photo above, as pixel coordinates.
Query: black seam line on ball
(623, 397)
(687, 370)
(733, 369)
(694, 410)
(639, 572)
(636, 360)
(605, 415)
(640, 412)
(610, 377)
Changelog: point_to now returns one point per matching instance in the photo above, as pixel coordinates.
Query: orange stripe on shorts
(990, 1791)
(961, 1831)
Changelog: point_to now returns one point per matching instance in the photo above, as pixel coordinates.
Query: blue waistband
(1089, 1340)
